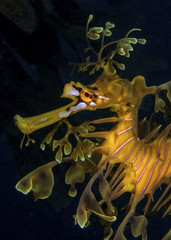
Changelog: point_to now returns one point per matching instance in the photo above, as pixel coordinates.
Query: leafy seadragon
(122, 161)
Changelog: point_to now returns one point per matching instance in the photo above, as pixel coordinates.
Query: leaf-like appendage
(107, 32)
(40, 181)
(82, 150)
(85, 128)
(59, 155)
(67, 148)
(159, 104)
(75, 174)
(93, 33)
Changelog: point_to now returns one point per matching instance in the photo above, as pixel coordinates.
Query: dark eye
(87, 94)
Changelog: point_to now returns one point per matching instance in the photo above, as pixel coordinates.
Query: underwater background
(37, 40)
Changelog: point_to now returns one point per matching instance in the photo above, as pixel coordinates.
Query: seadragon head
(108, 90)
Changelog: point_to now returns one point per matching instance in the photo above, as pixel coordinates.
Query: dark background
(37, 40)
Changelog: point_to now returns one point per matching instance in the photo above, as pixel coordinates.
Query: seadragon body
(127, 162)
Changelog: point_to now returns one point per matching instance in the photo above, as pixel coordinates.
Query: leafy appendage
(82, 149)
(75, 174)
(40, 181)
(64, 147)
(159, 103)
(122, 47)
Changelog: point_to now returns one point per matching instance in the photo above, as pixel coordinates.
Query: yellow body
(123, 161)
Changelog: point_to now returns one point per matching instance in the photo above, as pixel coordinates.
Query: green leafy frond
(107, 32)
(122, 47)
(64, 146)
(93, 33)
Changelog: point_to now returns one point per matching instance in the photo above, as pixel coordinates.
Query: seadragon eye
(85, 96)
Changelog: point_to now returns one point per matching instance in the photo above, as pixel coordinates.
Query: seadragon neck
(125, 135)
